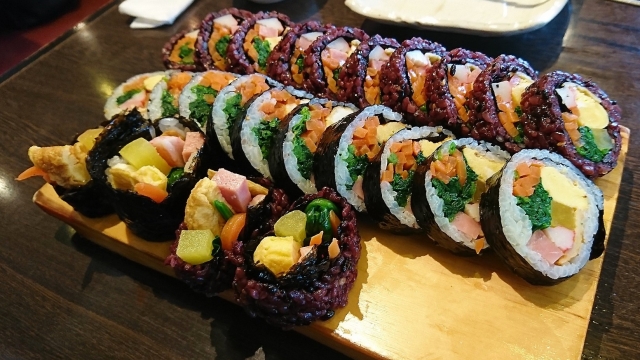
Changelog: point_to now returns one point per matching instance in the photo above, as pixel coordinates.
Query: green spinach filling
(265, 132)
(168, 107)
(199, 107)
(537, 207)
(455, 195)
(589, 149)
(222, 44)
(263, 49)
(402, 187)
(233, 109)
(300, 149)
(355, 164)
(127, 96)
(186, 54)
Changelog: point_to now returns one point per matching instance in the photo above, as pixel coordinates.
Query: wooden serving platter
(413, 300)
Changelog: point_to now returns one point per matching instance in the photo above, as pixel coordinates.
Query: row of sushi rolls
(258, 146)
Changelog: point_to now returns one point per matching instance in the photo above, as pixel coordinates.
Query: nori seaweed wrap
(447, 84)
(294, 146)
(215, 34)
(144, 216)
(575, 118)
(447, 208)
(179, 52)
(324, 58)
(286, 61)
(494, 103)
(543, 217)
(216, 275)
(252, 42)
(315, 286)
(403, 77)
(347, 147)
(389, 177)
(252, 136)
(359, 80)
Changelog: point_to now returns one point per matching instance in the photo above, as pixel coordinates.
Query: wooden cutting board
(413, 300)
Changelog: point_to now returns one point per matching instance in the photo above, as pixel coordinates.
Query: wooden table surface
(63, 297)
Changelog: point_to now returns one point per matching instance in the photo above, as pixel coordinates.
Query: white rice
(404, 214)
(111, 107)
(341, 172)
(155, 99)
(517, 226)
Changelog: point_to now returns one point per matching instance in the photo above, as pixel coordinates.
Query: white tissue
(153, 13)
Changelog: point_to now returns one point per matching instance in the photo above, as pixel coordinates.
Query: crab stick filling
(223, 28)
(135, 94)
(333, 57)
(417, 64)
(183, 51)
(297, 59)
(556, 207)
(508, 95)
(460, 79)
(260, 40)
(377, 57)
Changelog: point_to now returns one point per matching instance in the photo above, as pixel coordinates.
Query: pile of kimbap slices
(255, 150)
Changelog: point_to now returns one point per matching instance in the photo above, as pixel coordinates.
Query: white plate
(482, 17)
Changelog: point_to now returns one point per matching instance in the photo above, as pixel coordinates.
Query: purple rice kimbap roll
(575, 118)
(359, 82)
(215, 34)
(543, 217)
(305, 271)
(447, 189)
(253, 41)
(179, 53)
(494, 104)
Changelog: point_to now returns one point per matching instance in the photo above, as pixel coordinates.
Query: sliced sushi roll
(230, 107)
(575, 118)
(253, 41)
(347, 147)
(447, 85)
(389, 176)
(252, 137)
(447, 189)
(179, 53)
(543, 217)
(133, 93)
(163, 100)
(403, 77)
(494, 104)
(305, 271)
(197, 97)
(65, 168)
(291, 159)
(286, 61)
(216, 219)
(215, 35)
(149, 170)
(359, 82)
(324, 58)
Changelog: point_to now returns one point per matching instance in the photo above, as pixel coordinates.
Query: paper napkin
(153, 13)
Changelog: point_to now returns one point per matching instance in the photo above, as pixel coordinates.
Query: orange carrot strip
(33, 171)
(232, 229)
(316, 239)
(151, 191)
(523, 169)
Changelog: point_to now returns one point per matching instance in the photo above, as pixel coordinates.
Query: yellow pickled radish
(88, 138)
(141, 153)
(293, 224)
(195, 246)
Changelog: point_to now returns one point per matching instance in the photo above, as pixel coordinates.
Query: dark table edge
(43, 50)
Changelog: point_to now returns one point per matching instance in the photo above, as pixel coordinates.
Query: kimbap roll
(252, 137)
(575, 118)
(359, 82)
(179, 52)
(347, 147)
(447, 85)
(197, 97)
(163, 101)
(286, 62)
(133, 93)
(253, 41)
(324, 58)
(389, 177)
(403, 77)
(543, 217)
(291, 159)
(304, 272)
(447, 190)
(215, 34)
(494, 104)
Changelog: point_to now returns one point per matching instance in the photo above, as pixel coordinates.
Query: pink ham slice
(193, 141)
(467, 225)
(267, 32)
(234, 189)
(541, 244)
(170, 149)
(357, 188)
(256, 200)
(338, 55)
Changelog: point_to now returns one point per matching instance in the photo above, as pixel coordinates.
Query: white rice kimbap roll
(198, 96)
(163, 100)
(447, 189)
(543, 217)
(133, 93)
